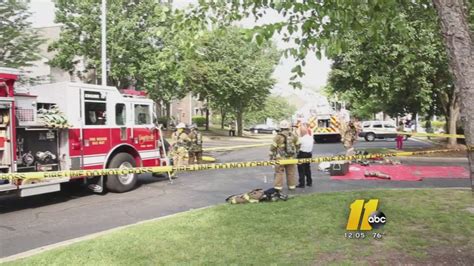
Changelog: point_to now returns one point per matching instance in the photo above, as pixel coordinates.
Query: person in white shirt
(306, 151)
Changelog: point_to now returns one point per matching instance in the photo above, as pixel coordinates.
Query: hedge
(200, 121)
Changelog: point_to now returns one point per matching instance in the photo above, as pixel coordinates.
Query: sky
(316, 70)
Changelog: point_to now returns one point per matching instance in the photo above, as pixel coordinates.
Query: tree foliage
(144, 46)
(19, 42)
(231, 71)
(275, 107)
(314, 26)
(317, 26)
(407, 73)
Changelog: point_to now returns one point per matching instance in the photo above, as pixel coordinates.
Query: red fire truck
(70, 126)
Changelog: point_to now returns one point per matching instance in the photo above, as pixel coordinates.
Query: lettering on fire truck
(74, 127)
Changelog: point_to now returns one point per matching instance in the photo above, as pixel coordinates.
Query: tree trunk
(428, 123)
(452, 118)
(429, 117)
(414, 121)
(458, 40)
(223, 113)
(239, 121)
(168, 114)
(207, 114)
(207, 118)
(159, 108)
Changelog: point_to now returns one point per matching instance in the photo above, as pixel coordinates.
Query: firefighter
(195, 151)
(285, 146)
(294, 129)
(180, 144)
(349, 133)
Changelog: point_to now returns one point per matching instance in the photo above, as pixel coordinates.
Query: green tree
(231, 71)
(144, 48)
(322, 25)
(407, 73)
(275, 107)
(19, 42)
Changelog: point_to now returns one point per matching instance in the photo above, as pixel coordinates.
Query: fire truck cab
(71, 126)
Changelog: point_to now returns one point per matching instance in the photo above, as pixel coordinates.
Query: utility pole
(104, 42)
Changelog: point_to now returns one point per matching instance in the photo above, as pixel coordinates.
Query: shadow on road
(69, 191)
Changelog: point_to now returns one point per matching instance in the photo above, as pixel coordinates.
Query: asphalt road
(27, 223)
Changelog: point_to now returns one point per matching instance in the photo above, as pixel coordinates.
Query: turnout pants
(280, 171)
(180, 160)
(304, 169)
(195, 157)
(348, 144)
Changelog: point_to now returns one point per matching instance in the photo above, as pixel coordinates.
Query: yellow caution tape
(432, 135)
(211, 166)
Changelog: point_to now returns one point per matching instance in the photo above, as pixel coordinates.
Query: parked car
(372, 130)
(263, 128)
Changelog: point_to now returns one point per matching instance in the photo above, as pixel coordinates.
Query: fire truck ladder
(165, 153)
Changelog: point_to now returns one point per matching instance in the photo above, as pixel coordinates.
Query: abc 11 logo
(364, 216)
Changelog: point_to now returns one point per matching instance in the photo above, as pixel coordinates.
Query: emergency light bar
(133, 93)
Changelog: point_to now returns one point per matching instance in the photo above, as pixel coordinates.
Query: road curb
(42, 249)
(428, 141)
(224, 148)
(432, 159)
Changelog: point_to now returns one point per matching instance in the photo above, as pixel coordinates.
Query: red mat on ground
(404, 172)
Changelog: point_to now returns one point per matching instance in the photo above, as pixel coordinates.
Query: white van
(372, 130)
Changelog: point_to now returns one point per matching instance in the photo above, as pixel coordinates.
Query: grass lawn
(423, 226)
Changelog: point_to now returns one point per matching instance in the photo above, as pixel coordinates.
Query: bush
(163, 120)
(438, 124)
(200, 121)
(435, 125)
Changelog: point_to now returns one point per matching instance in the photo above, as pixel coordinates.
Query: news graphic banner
(211, 166)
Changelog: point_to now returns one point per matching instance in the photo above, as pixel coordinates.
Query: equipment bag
(339, 168)
(273, 194)
(257, 195)
(253, 196)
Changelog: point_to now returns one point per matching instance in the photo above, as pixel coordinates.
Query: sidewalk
(220, 138)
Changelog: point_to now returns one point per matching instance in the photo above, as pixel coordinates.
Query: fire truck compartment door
(41, 187)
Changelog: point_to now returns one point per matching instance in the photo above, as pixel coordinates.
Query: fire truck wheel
(121, 183)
